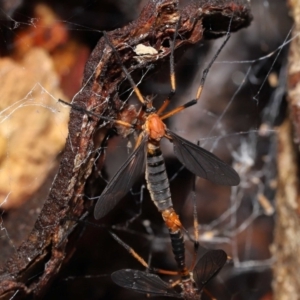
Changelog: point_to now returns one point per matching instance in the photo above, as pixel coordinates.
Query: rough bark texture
(46, 247)
(294, 71)
(286, 247)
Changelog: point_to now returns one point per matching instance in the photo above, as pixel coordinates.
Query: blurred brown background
(44, 46)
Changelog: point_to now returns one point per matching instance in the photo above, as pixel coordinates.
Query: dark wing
(208, 266)
(122, 181)
(143, 282)
(203, 163)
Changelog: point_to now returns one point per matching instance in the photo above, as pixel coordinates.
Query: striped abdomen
(156, 178)
(159, 189)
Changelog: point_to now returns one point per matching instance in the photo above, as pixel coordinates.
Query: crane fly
(190, 283)
(147, 153)
(208, 266)
(196, 159)
(147, 156)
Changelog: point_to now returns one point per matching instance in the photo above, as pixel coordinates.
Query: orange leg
(139, 258)
(133, 85)
(172, 73)
(200, 88)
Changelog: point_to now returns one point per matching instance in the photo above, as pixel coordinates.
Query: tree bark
(286, 247)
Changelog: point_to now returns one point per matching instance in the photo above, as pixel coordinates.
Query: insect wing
(122, 181)
(203, 163)
(143, 282)
(209, 266)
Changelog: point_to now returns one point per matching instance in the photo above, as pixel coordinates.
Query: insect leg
(131, 251)
(126, 124)
(172, 72)
(134, 86)
(200, 88)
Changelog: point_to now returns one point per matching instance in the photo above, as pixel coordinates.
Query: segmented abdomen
(156, 178)
(178, 249)
(159, 188)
